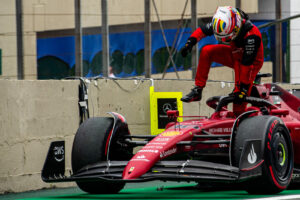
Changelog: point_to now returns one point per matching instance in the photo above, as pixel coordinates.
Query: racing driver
(240, 48)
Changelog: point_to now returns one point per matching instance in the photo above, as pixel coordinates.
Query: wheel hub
(281, 154)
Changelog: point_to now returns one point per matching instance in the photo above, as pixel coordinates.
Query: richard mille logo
(252, 157)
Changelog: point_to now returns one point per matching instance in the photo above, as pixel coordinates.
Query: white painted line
(279, 197)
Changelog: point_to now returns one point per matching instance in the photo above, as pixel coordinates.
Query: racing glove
(188, 46)
(239, 97)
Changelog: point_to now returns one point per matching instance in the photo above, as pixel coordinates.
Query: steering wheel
(219, 102)
(214, 101)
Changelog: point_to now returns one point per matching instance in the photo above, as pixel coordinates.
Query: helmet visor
(224, 38)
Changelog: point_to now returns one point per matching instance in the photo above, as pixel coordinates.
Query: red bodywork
(220, 123)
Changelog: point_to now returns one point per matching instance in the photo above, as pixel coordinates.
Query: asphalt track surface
(149, 191)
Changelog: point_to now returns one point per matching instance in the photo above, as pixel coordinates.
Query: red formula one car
(259, 149)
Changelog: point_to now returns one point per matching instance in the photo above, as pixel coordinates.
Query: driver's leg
(210, 53)
(219, 53)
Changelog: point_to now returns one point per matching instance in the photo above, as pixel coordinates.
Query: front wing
(178, 170)
(190, 170)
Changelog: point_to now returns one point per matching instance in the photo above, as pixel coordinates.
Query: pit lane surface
(151, 190)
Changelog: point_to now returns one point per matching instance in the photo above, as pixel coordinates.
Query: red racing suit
(244, 54)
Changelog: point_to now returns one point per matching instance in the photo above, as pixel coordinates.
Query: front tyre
(277, 153)
(279, 159)
(89, 148)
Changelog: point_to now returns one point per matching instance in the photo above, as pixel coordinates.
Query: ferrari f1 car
(259, 149)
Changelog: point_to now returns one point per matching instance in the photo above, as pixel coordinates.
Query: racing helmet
(226, 23)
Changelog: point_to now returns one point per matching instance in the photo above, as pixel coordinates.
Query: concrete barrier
(33, 113)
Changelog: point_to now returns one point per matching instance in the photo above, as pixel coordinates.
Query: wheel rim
(280, 155)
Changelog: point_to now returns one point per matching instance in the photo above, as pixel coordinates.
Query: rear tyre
(89, 148)
(277, 152)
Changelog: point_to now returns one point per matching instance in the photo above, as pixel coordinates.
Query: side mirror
(173, 114)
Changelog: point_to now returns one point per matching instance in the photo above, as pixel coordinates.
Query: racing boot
(194, 95)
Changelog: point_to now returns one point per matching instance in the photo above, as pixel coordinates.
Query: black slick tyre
(277, 151)
(89, 148)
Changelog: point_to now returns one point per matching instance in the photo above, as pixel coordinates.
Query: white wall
(295, 42)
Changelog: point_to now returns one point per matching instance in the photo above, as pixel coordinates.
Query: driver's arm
(196, 36)
(202, 31)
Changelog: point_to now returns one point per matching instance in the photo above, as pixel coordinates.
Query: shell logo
(170, 133)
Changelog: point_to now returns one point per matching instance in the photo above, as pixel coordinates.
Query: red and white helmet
(226, 23)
